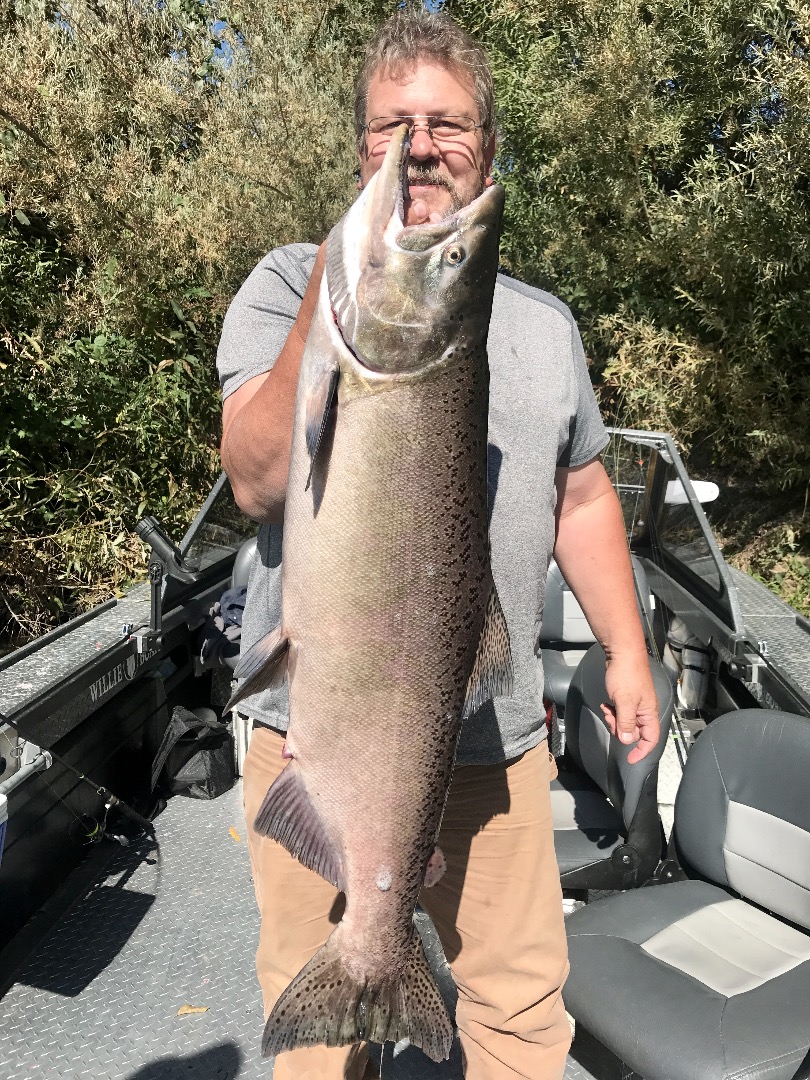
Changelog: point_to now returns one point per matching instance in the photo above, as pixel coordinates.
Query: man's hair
(413, 34)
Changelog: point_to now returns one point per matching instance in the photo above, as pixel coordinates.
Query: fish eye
(455, 254)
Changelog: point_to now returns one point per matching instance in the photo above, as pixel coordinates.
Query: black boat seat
(607, 831)
(565, 635)
(710, 976)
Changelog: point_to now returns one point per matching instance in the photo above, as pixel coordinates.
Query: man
(498, 907)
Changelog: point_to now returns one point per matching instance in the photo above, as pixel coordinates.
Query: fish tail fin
(326, 1003)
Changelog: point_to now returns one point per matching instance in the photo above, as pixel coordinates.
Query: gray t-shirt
(542, 414)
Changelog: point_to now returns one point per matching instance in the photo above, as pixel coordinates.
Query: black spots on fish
(492, 675)
(327, 1003)
(429, 1025)
(318, 1006)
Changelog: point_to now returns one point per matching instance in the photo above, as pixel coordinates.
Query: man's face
(443, 175)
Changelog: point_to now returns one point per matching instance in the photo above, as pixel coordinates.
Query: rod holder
(42, 761)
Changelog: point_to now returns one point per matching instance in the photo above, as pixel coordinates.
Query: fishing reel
(86, 830)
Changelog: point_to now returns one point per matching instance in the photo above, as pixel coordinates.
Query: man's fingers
(610, 716)
(645, 745)
(632, 710)
(649, 733)
(623, 725)
(420, 212)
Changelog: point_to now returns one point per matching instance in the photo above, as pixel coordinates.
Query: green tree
(151, 151)
(657, 160)
(656, 155)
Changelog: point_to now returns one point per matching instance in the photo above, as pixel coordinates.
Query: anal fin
(263, 666)
(288, 816)
(492, 673)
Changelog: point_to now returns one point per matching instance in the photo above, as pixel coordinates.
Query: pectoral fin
(492, 674)
(320, 394)
(263, 666)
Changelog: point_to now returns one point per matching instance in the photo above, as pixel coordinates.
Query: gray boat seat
(565, 635)
(607, 831)
(710, 976)
(243, 562)
(239, 579)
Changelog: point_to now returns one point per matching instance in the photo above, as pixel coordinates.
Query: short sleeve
(587, 436)
(261, 315)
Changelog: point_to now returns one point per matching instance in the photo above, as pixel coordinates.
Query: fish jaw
(402, 296)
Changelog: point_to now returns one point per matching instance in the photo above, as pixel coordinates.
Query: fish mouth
(386, 226)
(387, 284)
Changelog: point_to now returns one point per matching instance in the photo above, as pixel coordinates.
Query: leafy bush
(657, 160)
(656, 157)
(150, 153)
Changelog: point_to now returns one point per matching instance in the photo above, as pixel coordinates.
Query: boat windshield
(663, 517)
(219, 529)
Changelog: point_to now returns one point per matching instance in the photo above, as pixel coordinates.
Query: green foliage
(150, 154)
(657, 159)
(657, 162)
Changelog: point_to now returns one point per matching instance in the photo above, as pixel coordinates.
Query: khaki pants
(497, 910)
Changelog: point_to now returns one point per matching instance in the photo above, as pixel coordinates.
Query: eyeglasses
(439, 128)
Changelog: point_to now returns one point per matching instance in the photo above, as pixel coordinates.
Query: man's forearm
(257, 421)
(256, 445)
(591, 551)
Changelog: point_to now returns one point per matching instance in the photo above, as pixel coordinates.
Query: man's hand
(632, 714)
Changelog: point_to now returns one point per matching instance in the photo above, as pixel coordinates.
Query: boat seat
(710, 976)
(243, 562)
(607, 831)
(565, 635)
(239, 579)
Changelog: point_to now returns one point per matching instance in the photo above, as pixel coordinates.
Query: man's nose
(422, 145)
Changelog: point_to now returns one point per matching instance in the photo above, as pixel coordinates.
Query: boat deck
(782, 635)
(55, 658)
(164, 926)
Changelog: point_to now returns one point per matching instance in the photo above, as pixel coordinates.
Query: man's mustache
(429, 174)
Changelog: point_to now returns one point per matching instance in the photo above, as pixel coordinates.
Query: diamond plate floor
(62, 657)
(769, 621)
(164, 927)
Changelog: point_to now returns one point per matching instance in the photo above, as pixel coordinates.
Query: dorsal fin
(492, 673)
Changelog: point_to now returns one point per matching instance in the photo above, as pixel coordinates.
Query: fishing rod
(45, 759)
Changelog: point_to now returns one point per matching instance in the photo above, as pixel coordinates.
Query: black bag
(196, 756)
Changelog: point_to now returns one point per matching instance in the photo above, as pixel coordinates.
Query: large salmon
(391, 627)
